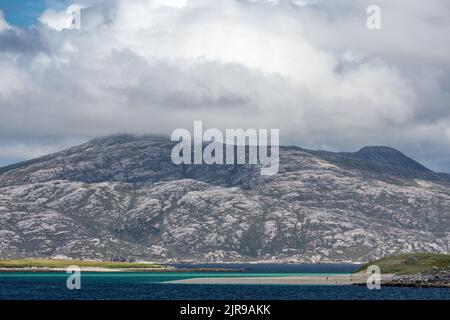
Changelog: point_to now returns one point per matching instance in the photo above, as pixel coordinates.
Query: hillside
(409, 264)
(121, 197)
(24, 264)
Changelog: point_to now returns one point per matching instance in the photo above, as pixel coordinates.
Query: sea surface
(152, 286)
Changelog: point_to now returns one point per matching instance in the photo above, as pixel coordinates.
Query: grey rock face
(122, 197)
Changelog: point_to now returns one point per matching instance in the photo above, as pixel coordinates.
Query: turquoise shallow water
(140, 277)
(151, 286)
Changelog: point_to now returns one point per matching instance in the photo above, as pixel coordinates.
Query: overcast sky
(308, 67)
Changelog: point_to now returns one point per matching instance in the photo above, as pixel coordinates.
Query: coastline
(419, 271)
(167, 269)
(337, 280)
(388, 280)
(423, 280)
(90, 269)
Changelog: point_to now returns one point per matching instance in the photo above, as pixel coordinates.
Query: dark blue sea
(152, 286)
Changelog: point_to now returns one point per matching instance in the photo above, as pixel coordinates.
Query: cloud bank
(310, 68)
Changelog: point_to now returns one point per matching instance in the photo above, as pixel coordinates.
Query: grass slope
(53, 264)
(411, 263)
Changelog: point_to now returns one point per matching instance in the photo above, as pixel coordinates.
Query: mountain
(121, 197)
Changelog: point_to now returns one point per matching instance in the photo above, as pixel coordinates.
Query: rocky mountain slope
(122, 197)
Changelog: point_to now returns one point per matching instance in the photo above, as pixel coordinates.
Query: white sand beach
(346, 279)
(339, 280)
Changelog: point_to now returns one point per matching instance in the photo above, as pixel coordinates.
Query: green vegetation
(411, 263)
(54, 264)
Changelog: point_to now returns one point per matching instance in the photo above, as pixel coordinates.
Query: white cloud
(20, 151)
(173, 3)
(3, 23)
(60, 20)
(310, 68)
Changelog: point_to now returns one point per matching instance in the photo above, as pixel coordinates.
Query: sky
(22, 13)
(310, 68)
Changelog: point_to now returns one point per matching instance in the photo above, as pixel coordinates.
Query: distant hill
(388, 157)
(121, 197)
(409, 264)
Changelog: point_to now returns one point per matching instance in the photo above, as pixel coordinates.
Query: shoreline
(110, 270)
(268, 262)
(55, 265)
(333, 280)
(359, 279)
(426, 280)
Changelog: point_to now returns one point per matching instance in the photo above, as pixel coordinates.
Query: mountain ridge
(385, 158)
(122, 197)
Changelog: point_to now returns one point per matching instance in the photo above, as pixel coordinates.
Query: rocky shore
(438, 279)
